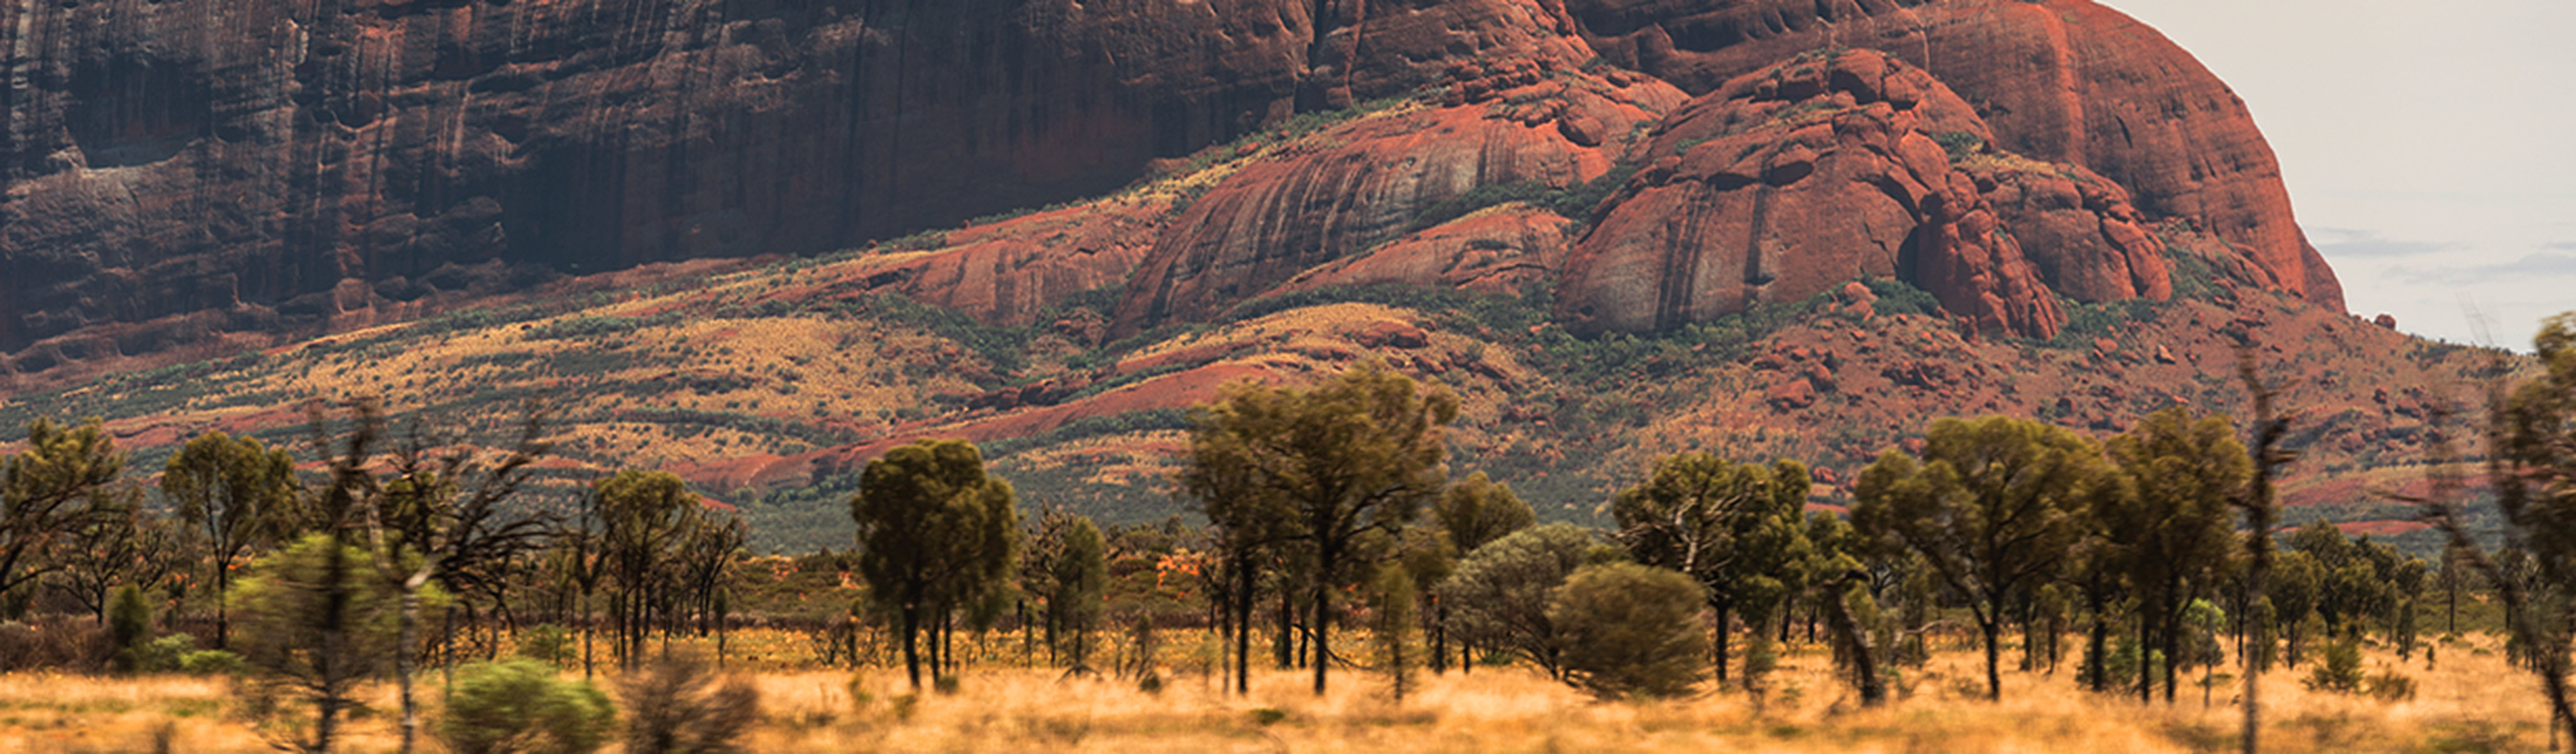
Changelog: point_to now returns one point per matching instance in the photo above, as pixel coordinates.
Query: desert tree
(238, 496)
(1738, 529)
(1078, 579)
(55, 487)
(645, 516)
(1392, 599)
(1993, 508)
(935, 533)
(1473, 512)
(1501, 592)
(126, 544)
(1250, 519)
(2169, 505)
(1838, 583)
(1358, 454)
(440, 516)
(324, 617)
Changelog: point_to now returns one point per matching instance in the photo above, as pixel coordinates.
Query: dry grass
(2469, 702)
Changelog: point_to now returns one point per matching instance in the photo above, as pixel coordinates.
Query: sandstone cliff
(218, 174)
(2058, 80)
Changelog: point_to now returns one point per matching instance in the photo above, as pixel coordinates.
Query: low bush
(519, 706)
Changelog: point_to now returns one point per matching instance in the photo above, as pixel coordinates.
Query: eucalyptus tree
(1993, 508)
(1737, 529)
(239, 496)
(55, 487)
(1326, 467)
(2170, 506)
(1501, 592)
(1473, 512)
(935, 533)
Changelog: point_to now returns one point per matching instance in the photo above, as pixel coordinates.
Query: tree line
(387, 553)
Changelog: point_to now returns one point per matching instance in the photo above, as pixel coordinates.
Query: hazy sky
(2430, 147)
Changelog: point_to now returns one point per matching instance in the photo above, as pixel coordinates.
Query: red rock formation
(283, 163)
(1499, 251)
(2058, 80)
(1791, 181)
(1275, 219)
(2077, 227)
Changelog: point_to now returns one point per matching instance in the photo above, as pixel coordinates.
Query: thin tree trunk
(1320, 625)
(911, 649)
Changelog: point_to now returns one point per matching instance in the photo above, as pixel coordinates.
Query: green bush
(519, 706)
(1631, 630)
(129, 626)
(212, 662)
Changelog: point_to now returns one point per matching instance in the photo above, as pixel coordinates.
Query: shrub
(549, 644)
(675, 706)
(519, 706)
(212, 662)
(163, 654)
(1631, 630)
(129, 625)
(2341, 670)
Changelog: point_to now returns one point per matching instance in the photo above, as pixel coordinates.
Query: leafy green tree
(321, 620)
(1474, 511)
(2170, 511)
(1501, 592)
(1838, 584)
(935, 533)
(129, 626)
(1393, 597)
(49, 491)
(646, 516)
(1629, 630)
(2297, 585)
(239, 496)
(124, 545)
(1994, 508)
(1478, 510)
(519, 706)
(1080, 586)
(1739, 529)
(1357, 454)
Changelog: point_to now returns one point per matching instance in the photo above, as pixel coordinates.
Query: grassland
(2469, 700)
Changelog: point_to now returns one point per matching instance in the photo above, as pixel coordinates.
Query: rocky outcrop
(1498, 251)
(1788, 182)
(1520, 124)
(288, 164)
(2064, 81)
(2088, 242)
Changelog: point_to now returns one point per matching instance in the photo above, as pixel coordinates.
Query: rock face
(287, 164)
(1791, 181)
(2058, 80)
(186, 175)
(1524, 124)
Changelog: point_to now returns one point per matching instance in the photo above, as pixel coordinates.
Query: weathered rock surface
(1789, 182)
(2058, 80)
(1497, 251)
(286, 163)
(192, 177)
(1275, 219)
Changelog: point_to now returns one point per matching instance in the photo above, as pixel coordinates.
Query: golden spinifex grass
(2469, 701)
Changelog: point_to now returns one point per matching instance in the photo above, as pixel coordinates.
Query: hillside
(1617, 229)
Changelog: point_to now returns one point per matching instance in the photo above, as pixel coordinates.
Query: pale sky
(2430, 147)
